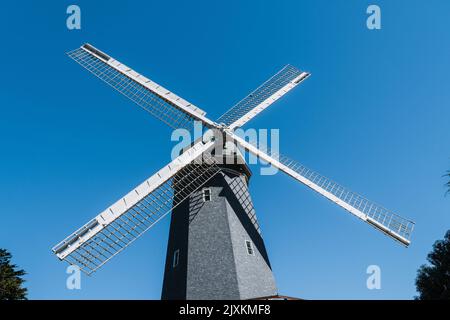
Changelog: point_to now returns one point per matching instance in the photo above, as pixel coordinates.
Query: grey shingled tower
(215, 249)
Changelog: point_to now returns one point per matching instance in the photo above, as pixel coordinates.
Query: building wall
(213, 260)
(254, 274)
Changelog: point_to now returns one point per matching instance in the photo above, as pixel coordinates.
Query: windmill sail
(119, 225)
(393, 225)
(270, 91)
(158, 101)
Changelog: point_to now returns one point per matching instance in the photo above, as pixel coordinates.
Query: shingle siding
(214, 263)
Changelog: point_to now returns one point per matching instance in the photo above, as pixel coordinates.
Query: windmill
(215, 249)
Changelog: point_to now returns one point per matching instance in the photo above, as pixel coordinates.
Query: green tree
(11, 279)
(433, 281)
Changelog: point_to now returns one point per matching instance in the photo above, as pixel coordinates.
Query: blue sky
(373, 116)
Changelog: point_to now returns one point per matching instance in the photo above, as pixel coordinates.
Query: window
(249, 246)
(176, 258)
(206, 195)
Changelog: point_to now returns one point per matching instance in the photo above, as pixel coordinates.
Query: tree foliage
(11, 281)
(433, 281)
(448, 183)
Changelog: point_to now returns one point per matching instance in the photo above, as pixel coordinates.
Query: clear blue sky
(374, 116)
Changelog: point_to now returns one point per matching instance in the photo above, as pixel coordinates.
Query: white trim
(68, 245)
(162, 92)
(270, 100)
(262, 155)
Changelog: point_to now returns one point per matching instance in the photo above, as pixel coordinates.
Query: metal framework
(158, 101)
(119, 225)
(243, 196)
(270, 91)
(388, 222)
